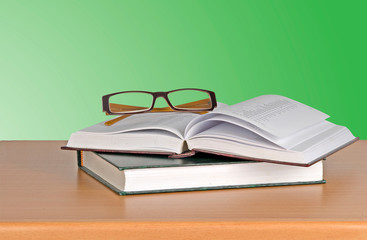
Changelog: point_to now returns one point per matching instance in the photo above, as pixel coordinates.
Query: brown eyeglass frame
(106, 107)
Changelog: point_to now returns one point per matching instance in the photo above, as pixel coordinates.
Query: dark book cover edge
(213, 162)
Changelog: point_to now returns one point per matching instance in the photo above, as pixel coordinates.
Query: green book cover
(202, 172)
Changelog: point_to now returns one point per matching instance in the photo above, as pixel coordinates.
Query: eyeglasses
(135, 102)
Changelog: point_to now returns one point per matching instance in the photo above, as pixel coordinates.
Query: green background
(57, 58)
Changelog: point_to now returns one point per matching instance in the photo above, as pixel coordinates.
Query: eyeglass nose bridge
(162, 95)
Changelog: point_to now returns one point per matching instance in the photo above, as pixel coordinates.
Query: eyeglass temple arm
(115, 120)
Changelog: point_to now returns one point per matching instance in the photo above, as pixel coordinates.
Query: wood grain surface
(42, 190)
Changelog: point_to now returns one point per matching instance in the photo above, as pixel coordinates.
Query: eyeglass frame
(106, 107)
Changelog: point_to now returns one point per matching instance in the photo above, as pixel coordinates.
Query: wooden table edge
(184, 230)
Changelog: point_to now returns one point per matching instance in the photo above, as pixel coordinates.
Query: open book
(268, 128)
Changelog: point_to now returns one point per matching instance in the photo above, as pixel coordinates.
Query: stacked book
(269, 140)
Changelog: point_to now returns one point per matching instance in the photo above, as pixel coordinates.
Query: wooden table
(43, 193)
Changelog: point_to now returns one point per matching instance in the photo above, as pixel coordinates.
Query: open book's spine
(183, 155)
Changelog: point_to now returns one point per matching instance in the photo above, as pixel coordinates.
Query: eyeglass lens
(190, 99)
(130, 102)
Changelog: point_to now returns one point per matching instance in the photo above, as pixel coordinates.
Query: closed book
(136, 174)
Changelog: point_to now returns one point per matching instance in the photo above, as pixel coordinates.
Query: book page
(211, 122)
(208, 121)
(235, 133)
(143, 140)
(278, 115)
(173, 122)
